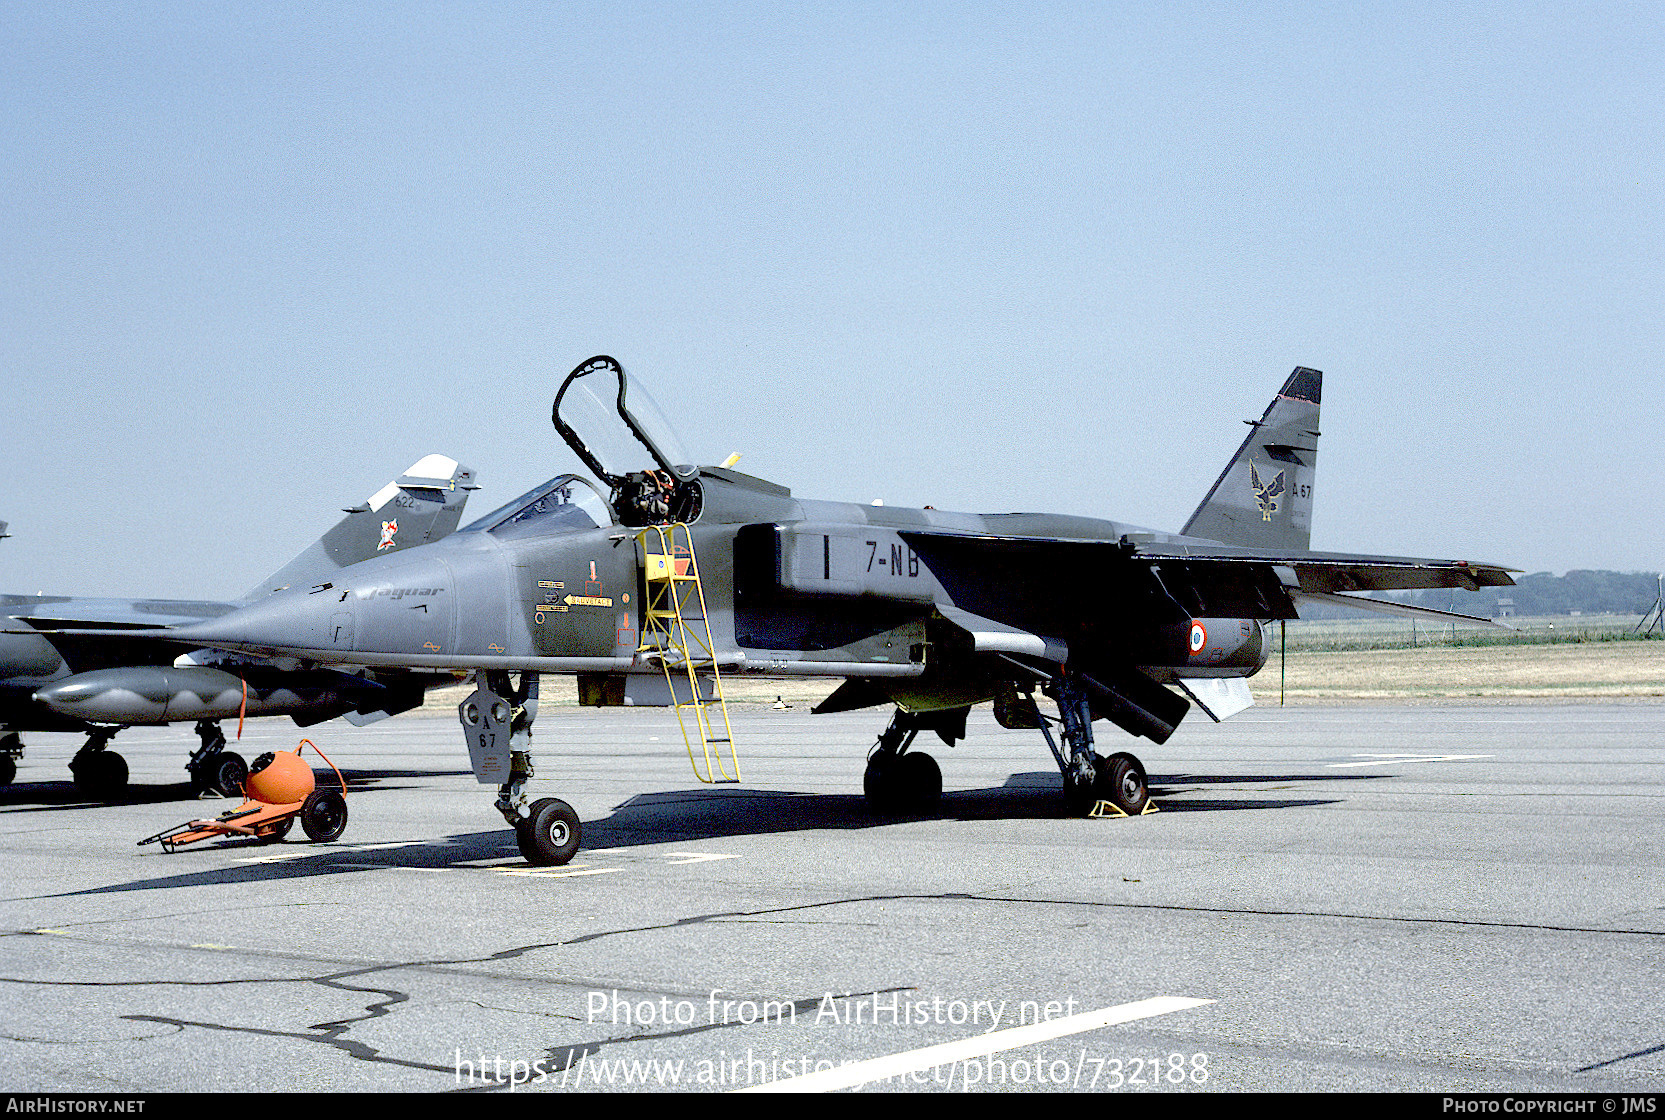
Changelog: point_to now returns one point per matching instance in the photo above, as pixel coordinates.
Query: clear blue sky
(257, 258)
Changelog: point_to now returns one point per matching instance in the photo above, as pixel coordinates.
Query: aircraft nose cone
(394, 606)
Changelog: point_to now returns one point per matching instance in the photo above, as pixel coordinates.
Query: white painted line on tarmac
(569, 874)
(946, 1053)
(1402, 759)
(679, 859)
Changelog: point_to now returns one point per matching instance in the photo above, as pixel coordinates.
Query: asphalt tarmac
(1436, 899)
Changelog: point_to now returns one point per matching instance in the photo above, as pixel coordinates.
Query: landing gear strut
(212, 767)
(497, 718)
(897, 781)
(1090, 778)
(99, 772)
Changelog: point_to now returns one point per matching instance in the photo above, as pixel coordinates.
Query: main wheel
(227, 773)
(102, 774)
(921, 780)
(1121, 781)
(549, 837)
(8, 769)
(879, 783)
(324, 814)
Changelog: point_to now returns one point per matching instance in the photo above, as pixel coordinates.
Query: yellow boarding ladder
(682, 639)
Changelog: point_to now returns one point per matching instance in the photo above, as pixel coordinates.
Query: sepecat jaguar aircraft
(87, 677)
(654, 585)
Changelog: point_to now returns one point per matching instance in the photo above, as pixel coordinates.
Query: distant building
(1505, 608)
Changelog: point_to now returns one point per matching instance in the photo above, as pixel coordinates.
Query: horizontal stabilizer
(1337, 572)
(1022, 581)
(1404, 610)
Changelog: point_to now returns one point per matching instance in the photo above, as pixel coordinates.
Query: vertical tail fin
(421, 505)
(1263, 499)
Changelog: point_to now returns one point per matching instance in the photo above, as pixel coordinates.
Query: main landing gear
(497, 719)
(102, 773)
(896, 780)
(11, 749)
(99, 772)
(900, 781)
(212, 767)
(1090, 779)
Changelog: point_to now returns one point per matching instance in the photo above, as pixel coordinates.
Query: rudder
(1263, 499)
(424, 504)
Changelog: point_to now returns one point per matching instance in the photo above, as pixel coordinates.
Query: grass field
(1386, 632)
(1565, 657)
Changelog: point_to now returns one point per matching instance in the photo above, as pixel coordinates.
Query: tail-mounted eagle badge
(1266, 493)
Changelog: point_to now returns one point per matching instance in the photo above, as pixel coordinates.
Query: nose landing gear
(497, 722)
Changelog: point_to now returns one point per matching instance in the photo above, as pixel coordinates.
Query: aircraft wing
(1011, 578)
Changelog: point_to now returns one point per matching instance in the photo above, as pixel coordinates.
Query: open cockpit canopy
(615, 426)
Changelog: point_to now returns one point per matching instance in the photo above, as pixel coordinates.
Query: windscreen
(567, 504)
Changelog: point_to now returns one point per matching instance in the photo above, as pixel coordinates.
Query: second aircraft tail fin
(421, 505)
(1263, 499)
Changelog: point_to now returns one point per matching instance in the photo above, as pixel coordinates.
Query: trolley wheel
(277, 832)
(324, 815)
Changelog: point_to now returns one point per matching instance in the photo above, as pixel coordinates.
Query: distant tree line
(1541, 593)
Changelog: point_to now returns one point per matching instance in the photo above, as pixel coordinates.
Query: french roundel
(1199, 636)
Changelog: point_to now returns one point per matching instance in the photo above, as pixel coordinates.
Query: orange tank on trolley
(280, 789)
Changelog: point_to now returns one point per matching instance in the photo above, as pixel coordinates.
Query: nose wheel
(549, 835)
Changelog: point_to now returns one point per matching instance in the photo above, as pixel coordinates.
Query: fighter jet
(92, 678)
(660, 577)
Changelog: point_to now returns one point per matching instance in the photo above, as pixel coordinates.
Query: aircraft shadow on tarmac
(681, 816)
(691, 815)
